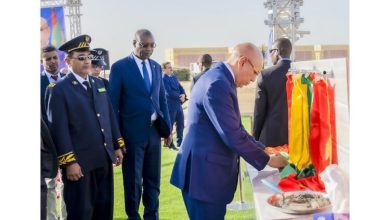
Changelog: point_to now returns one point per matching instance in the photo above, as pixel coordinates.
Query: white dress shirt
(139, 64)
(230, 70)
(138, 61)
(51, 80)
(81, 79)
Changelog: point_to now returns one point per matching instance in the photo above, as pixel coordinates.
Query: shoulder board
(51, 85)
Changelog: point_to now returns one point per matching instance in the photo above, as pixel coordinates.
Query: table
(261, 194)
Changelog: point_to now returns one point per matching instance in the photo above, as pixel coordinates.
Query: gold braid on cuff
(66, 158)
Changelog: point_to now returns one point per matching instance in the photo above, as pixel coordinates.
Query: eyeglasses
(144, 45)
(83, 58)
(272, 50)
(254, 70)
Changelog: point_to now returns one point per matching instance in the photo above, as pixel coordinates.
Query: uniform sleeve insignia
(121, 142)
(101, 89)
(74, 82)
(66, 158)
(51, 85)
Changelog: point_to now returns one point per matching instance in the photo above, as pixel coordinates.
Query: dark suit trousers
(177, 116)
(43, 198)
(141, 176)
(200, 210)
(91, 197)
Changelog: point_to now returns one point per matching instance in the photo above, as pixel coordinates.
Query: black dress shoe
(172, 147)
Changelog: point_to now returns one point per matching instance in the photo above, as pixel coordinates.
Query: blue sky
(203, 23)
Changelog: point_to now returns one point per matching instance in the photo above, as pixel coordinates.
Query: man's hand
(73, 172)
(277, 161)
(182, 98)
(168, 141)
(119, 157)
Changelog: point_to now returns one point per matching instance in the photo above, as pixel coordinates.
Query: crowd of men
(89, 125)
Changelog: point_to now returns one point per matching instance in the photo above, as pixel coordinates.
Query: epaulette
(51, 85)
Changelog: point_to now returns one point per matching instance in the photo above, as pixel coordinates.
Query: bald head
(143, 44)
(248, 50)
(139, 34)
(246, 62)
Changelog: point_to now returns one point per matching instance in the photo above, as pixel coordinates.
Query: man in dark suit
(50, 74)
(138, 97)
(206, 167)
(204, 63)
(49, 77)
(86, 135)
(270, 124)
(176, 96)
(98, 64)
(49, 164)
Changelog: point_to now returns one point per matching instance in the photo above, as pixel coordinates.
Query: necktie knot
(89, 90)
(86, 83)
(55, 77)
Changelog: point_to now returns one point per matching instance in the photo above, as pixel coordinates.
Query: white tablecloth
(261, 194)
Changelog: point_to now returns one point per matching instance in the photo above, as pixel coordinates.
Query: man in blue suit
(138, 98)
(206, 167)
(86, 136)
(176, 96)
(50, 74)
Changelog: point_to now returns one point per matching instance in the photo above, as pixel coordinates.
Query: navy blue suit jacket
(215, 140)
(84, 130)
(173, 90)
(44, 83)
(132, 102)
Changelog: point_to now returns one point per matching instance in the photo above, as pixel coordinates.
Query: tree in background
(182, 74)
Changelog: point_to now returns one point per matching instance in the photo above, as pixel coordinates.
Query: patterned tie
(146, 76)
(55, 77)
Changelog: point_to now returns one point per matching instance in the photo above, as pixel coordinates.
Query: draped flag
(299, 132)
(323, 147)
(312, 131)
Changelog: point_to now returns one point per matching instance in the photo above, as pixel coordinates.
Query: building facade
(184, 57)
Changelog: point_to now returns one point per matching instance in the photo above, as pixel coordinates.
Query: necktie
(89, 90)
(146, 80)
(146, 76)
(55, 77)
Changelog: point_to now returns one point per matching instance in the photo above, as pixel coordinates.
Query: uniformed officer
(98, 64)
(86, 135)
(176, 96)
